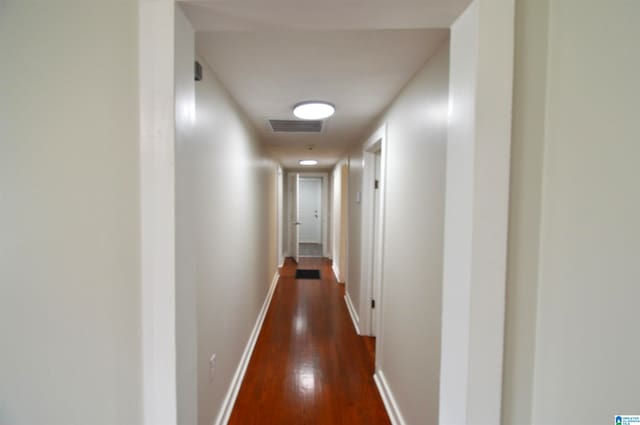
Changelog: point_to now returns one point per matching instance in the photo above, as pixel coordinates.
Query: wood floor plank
(309, 366)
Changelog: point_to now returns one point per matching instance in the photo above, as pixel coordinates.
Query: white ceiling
(261, 15)
(272, 54)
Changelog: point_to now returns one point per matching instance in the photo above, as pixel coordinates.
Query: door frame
(372, 254)
(316, 183)
(156, 55)
(156, 142)
(280, 215)
(324, 176)
(340, 220)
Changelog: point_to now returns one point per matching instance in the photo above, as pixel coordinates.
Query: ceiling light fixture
(308, 162)
(313, 110)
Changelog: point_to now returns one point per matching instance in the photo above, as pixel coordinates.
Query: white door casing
(295, 216)
(377, 240)
(371, 287)
(310, 210)
(280, 216)
(324, 216)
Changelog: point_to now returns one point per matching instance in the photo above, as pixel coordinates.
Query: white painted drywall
(408, 351)
(476, 213)
(336, 222)
(339, 192)
(287, 250)
(186, 265)
(280, 205)
(354, 231)
(455, 338)
(156, 42)
(226, 233)
(70, 315)
(342, 242)
(587, 346)
(571, 345)
(524, 217)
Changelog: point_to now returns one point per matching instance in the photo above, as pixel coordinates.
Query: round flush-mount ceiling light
(313, 110)
(308, 162)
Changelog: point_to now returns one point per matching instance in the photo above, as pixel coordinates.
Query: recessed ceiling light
(308, 162)
(312, 110)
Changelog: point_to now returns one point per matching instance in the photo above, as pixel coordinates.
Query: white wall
(460, 167)
(157, 208)
(586, 347)
(70, 315)
(338, 220)
(524, 216)
(408, 351)
(280, 205)
(287, 248)
(476, 213)
(186, 261)
(354, 230)
(342, 240)
(226, 233)
(409, 341)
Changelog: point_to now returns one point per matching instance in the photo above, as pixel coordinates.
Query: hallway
(310, 250)
(309, 366)
(479, 203)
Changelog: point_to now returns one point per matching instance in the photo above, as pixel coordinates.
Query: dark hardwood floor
(370, 343)
(309, 366)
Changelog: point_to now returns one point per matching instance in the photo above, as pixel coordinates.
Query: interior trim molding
(352, 312)
(372, 253)
(232, 393)
(336, 272)
(387, 398)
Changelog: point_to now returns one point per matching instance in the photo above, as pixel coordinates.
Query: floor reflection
(300, 324)
(306, 379)
(309, 367)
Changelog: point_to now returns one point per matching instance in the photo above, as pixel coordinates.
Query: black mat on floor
(307, 274)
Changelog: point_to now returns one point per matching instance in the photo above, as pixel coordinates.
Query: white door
(377, 231)
(295, 216)
(310, 208)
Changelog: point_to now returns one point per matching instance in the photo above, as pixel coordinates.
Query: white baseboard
(352, 312)
(387, 398)
(232, 393)
(336, 272)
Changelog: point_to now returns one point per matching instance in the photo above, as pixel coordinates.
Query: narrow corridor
(309, 366)
(310, 250)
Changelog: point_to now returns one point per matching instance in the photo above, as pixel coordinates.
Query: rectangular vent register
(296, 126)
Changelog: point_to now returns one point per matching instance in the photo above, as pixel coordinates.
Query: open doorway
(373, 221)
(307, 212)
(310, 217)
(376, 236)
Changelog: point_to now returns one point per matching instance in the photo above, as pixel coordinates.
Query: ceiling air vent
(296, 126)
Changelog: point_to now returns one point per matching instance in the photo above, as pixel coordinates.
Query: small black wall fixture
(198, 71)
